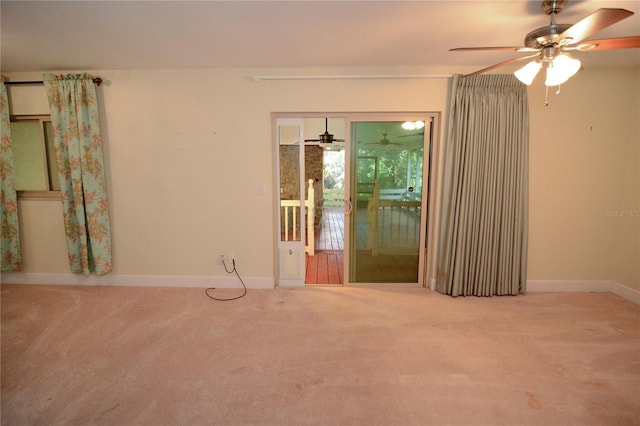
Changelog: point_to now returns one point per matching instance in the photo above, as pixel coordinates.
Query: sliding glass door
(388, 217)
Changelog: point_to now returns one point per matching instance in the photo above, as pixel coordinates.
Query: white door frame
(290, 255)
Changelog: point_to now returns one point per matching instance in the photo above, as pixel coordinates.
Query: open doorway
(326, 266)
(310, 220)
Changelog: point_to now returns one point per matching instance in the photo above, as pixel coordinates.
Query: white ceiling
(99, 35)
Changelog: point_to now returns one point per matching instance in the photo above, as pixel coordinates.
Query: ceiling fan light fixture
(561, 69)
(413, 125)
(527, 73)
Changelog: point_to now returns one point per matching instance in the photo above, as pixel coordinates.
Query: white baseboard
(626, 292)
(555, 286)
(264, 283)
(616, 288)
(194, 281)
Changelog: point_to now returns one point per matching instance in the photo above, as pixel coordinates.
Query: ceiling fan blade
(510, 61)
(597, 21)
(610, 44)
(471, 49)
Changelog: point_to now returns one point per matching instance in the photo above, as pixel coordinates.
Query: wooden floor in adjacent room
(330, 235)
(326, 266)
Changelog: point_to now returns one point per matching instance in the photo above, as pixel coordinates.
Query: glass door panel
(387, 213)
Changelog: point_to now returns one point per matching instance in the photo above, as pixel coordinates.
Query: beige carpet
(316, 356)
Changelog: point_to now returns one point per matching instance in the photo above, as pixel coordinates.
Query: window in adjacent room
(36, 173)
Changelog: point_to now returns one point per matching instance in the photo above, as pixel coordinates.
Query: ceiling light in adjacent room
(413, 125)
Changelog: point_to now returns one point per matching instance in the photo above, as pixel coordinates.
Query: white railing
(393, 224)
(291, 222)
(333, 197)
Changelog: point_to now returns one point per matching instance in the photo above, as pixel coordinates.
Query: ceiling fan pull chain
(546, 95)
(559, 89)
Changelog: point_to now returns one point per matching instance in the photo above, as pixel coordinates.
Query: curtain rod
(349, 77)
(97, 81)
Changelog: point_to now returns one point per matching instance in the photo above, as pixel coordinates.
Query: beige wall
(584, 173)
(186, 151)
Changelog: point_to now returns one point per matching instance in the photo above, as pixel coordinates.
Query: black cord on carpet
(233, 261)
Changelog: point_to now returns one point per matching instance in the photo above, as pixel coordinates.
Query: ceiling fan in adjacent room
(550, 46)
(382, 142)
(325, 139)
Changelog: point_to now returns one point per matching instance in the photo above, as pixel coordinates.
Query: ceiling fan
(550, 45)
(410, 135)
(383, 142)
(324, 138)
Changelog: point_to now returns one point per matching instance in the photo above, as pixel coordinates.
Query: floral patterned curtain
(11, 257)
(78, 146)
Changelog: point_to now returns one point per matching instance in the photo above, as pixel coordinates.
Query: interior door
(291, 198)
(388, 219)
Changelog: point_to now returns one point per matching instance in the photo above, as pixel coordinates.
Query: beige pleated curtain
(483, 244)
